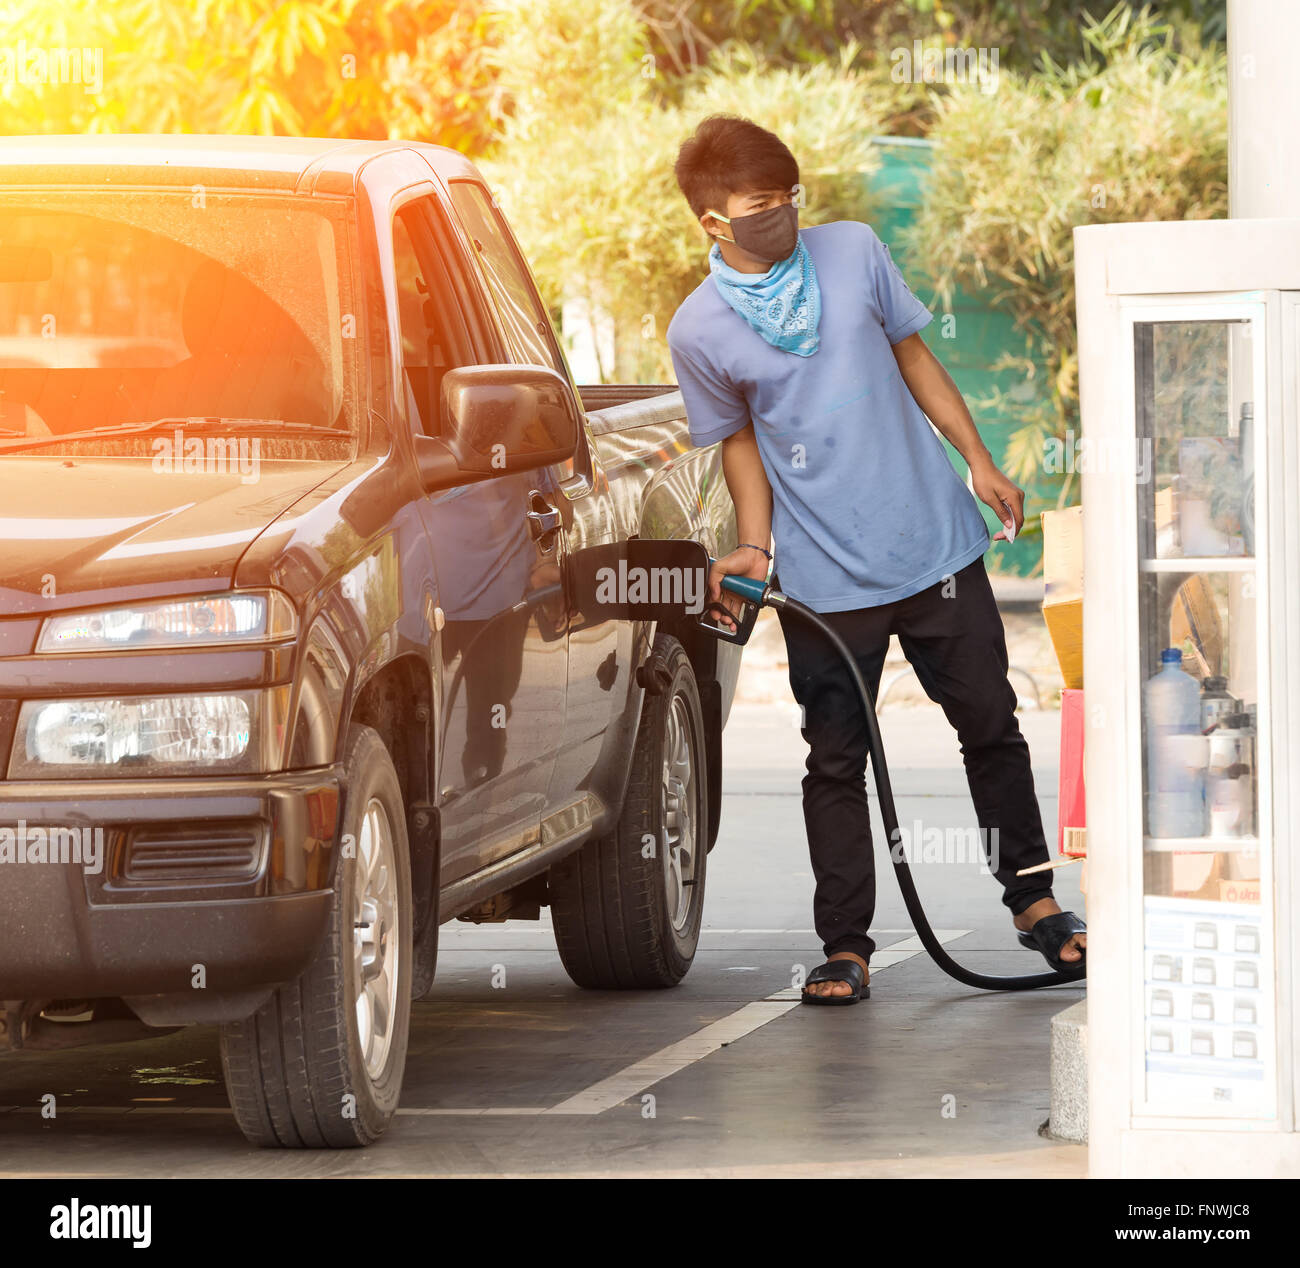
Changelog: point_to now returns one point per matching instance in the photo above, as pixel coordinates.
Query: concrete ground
(514, 1071)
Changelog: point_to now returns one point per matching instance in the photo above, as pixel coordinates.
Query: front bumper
(202, 885)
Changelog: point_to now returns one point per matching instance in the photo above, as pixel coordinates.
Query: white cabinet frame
(1187, 271)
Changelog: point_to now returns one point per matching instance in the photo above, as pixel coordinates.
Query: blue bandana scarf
(784, 305)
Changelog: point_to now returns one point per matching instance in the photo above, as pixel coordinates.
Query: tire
(299, 1073)
(621, 921)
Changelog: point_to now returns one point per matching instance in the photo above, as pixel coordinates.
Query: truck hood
(89, 531)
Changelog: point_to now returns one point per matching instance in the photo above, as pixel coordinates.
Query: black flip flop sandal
(1049, 935)
(849, 971)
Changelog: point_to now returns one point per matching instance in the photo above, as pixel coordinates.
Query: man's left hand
(993, 488)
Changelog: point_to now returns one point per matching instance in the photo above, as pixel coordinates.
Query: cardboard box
(1183, 873)
(1194, 623)
(1063, 555)
(1063, 589)
(1071, 816)
(1241, 865)
(1196, 873)
(1239, 891)
(1065, 625)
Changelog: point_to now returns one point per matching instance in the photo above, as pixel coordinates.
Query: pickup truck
(293, 477)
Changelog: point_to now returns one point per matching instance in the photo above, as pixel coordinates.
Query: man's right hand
(744, 561)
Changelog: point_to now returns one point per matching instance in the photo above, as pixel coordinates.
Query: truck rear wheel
(627, 906)
(320, 1063)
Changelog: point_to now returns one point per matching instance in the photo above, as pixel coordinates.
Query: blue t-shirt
(866, 506)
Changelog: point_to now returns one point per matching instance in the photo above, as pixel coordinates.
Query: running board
(562, 832)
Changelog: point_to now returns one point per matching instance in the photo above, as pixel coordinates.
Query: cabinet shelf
(1199, 563)
(1200, 845)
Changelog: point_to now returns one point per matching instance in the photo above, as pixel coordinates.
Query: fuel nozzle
(756, 594)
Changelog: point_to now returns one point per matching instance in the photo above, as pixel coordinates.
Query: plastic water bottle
(1176, 750)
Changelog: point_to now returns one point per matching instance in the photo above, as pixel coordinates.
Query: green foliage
(569, 63)
(425, 68)
(1136, 129)
(578, 168)
(688, 38)
(354, 68)
(1028, 31)
(684, 36)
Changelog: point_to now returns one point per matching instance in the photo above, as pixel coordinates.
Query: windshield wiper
(273, 426)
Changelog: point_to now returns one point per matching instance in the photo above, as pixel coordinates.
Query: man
(801, 354)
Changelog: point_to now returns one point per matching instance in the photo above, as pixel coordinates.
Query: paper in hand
(1009, 524)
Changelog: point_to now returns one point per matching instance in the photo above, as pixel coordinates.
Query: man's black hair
(730, 155)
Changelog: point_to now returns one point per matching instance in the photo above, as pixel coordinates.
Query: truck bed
(615, 407)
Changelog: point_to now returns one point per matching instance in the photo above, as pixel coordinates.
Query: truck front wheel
(320, 1064)
(627, 906)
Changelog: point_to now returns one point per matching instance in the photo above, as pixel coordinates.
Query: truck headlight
(242, 616)
(220, 733)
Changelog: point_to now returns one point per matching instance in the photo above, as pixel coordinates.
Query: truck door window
(525, 321)
(419, 344)
(434, 336)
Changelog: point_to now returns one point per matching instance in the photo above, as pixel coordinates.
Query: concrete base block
(1069, 1117)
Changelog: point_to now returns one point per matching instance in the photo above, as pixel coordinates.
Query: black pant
(952, 634)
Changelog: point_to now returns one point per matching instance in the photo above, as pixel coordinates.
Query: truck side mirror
(499, 418)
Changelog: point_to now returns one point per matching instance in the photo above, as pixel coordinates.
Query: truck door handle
(543, 520)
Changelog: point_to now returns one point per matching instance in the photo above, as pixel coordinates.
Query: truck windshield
(123, 307)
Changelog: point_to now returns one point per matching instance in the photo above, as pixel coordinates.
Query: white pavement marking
(913, 943)
(650, 1070)
(659, 1065)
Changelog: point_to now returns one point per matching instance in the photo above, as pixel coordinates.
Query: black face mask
(766, 236)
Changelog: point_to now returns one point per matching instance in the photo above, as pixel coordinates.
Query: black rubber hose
(889, 814)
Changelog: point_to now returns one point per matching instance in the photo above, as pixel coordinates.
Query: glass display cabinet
(1190, 478)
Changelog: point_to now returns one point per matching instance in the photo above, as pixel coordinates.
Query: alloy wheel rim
(679, 807)
(374, 937)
